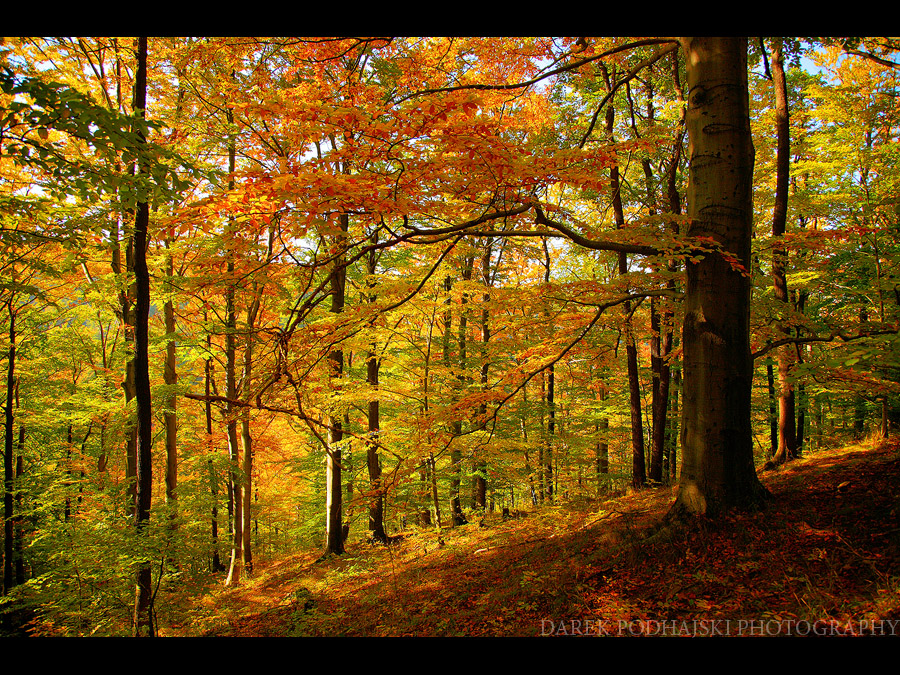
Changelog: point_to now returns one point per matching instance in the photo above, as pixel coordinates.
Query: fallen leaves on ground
(824, 553)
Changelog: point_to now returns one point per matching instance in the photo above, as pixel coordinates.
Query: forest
(262, 296)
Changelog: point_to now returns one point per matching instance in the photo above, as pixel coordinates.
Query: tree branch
(556, 71)
(819, 338)
(637, 249)
(650, 60)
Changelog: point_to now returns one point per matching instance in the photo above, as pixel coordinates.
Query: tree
(638, 471)
(373, 462)
(143, 612)
(402, 199)
(334, 525)
(717, 465)
(9, 537)
(787, 430)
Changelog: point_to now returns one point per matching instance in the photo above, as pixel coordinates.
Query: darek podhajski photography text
(717, 628)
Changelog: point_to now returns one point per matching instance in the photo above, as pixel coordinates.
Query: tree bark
(638, 463)
(456, 513)
(170, 416)
(334, 535)
(234, 474)
(787, 430)
(479, 464)
(19, 530)
(548, 453)
(8, 475)
(660, 347)
(143, 612)
(773, 406)
(247, 446)
(125, 314)
(373, 462)
(429, 474)
(432, 470)
(217, 565)
(674, 200)
(717, 467)
(672, 443)
(126, 317)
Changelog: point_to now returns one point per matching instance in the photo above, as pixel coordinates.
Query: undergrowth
(824, 552)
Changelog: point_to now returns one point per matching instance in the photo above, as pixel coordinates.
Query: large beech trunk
(718, 471)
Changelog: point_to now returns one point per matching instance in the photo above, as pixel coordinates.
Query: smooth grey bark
(717, 448)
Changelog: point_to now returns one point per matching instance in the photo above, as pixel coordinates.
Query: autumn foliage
(424, 280)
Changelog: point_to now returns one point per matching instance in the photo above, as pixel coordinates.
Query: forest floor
(823, 558)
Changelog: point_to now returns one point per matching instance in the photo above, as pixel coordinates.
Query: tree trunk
(773, 407)
(787, 430)
(217, 565)
(602, 454)
(859, 403)
(639, 471)
(528, 470)
(8, 475)
(660, 347)
(432, 466)
(126, 316)
(334, 534)
(429, 476)
(143, 611)
(246, 477)
(802, 397)
(859, 417)
(170, 416)
(479, 463)
(661, 337)
(717, 467)
(19, 530)
(550, 399)
(235, 492)
(246, 437)
(373, 462)
(674, 200)
(424, 494)
(802, 404)
(541, 483)
(456, 512)
(672, 442)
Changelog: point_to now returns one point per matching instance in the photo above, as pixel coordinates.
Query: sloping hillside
(823, 558)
